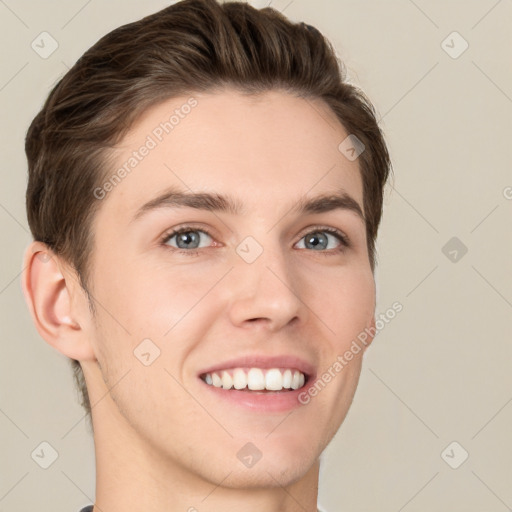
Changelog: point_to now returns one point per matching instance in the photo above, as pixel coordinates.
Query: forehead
(265, 150)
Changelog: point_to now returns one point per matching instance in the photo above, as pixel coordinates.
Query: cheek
(154, 301)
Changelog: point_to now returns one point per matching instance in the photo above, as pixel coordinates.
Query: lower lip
(268, 401)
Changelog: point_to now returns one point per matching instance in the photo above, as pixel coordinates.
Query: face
(252, 281)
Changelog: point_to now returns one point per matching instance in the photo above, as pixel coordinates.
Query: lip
(265, 362)
(257, 401)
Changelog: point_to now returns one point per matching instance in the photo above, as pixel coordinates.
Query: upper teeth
(256, 379)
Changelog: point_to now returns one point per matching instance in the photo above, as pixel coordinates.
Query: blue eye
(322, 240)
(186, 238)
(319, 240)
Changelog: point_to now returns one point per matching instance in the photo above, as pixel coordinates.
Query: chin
(269, 474)
(270, 462)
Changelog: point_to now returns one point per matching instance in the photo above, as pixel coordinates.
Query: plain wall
(439, 372)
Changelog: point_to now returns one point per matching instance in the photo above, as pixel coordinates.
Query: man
(204, 195)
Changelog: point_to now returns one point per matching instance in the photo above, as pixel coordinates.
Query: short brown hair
(193, 45)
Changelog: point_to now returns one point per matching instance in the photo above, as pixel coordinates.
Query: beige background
(439, 372)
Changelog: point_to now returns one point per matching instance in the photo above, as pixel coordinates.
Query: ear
(51, 292)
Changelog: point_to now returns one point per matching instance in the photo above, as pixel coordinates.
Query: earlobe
(48, 293)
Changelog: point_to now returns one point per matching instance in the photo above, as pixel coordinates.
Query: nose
(266, 292)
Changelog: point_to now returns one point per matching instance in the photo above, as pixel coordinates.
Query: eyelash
(343, 239)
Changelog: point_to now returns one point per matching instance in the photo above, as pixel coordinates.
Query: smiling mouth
(257, 379)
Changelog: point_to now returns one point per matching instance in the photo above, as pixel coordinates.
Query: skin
(161, 442)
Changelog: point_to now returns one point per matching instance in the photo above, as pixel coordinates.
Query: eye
(324, 239)
(187, 239)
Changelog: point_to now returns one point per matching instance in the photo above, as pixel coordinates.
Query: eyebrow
(214, 202)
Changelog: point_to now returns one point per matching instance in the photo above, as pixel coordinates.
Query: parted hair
(190, 46)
